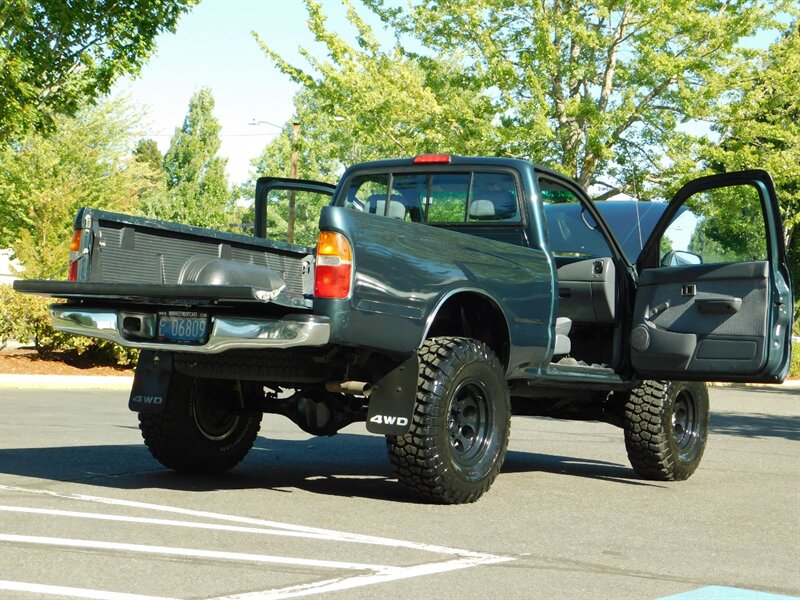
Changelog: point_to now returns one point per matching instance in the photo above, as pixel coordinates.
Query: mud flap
(392, 400)
(151, 382)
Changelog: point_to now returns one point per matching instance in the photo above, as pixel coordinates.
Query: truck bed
(133, 259)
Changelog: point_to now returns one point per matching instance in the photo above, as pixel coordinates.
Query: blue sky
(212, 47)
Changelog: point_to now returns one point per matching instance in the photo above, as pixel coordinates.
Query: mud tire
(666, 428)
(459, 432)
(203, 428)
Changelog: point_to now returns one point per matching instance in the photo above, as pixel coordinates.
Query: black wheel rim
(213, 417)
(469, 423)
(685, 430)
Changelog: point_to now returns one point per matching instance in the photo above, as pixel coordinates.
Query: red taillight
(334, 268)
(74, 255)
(424, 159)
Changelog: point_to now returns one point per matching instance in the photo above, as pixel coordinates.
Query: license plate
(183, 328)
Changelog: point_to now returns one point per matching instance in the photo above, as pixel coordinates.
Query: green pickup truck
(444, 295)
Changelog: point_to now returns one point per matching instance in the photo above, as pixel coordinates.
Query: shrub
(27, 320)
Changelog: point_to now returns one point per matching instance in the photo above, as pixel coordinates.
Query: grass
(794, 368)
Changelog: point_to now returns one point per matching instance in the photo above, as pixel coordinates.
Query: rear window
(436, 198)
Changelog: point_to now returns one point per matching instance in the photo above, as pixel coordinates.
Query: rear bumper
(227, 333)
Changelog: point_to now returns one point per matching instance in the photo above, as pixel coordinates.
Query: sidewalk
(65, 382)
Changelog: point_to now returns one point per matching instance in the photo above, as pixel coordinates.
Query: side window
(719, 225)
(573, 232)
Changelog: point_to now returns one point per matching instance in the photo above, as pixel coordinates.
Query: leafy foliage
(147, 151)
(196, 183)
(45, 180)
(365, 102)
(760, 128)
(55, 55)
(308, 205)
(729, 225)
(26, 319)
(594, 89)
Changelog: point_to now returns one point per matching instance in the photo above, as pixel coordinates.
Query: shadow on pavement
(345, 465)
(755, 425)
(523, 462)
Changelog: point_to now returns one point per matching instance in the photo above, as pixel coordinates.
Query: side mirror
(681, 258)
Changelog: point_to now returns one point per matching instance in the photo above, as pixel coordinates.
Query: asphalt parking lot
(86, 512)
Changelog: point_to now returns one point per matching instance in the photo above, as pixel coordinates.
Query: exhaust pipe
(353, 388)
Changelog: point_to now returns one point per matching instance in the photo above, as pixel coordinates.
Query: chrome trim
(227, 333)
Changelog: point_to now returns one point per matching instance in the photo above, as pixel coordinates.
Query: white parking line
(375, 574)
(334, 585)
(191, 553)
(167, 522)
(71, 592)
(332, 535)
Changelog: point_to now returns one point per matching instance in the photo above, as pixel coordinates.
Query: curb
(66, 382)
(793, 384)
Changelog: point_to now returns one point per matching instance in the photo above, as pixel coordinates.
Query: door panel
(726, 318)
(700, 319)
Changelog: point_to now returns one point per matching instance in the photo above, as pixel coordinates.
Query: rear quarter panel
(404, 271)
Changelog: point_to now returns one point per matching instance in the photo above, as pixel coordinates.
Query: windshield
(571, 227)
(631, 223)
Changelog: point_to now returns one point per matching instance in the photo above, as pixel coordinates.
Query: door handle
(718, 306)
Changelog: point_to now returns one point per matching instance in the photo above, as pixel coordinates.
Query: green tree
(147, 154)
(55, 55)
(596, 89)
(318, 159)
(44, 180)
(365, 102)
(197, 186)
(760, 128)
(146, 151)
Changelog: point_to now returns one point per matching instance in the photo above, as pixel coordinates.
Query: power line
(169, 135)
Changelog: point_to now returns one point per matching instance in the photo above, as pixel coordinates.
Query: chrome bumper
(227, 333)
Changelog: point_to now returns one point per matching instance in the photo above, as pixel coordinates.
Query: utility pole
(293, 175)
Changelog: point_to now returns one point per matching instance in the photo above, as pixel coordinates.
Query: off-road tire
(203, 428)
(666, 428)
(459, 432)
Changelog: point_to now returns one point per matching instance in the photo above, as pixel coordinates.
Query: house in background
(10, 268)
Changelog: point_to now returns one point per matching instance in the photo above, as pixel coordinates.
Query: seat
(493, 205)
(481, 209)
(376, 204)
(563, 344)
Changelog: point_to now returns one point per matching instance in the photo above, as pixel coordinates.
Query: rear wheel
(203, 428)
(459, 433)
(666, 428)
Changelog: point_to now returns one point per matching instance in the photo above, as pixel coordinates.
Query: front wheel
(203, 428)
(666, 428)
(459, 432)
